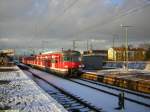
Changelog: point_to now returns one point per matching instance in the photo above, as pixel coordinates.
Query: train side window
(53, 61)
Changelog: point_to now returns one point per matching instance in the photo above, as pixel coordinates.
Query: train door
(40, 61)
(43, 61)
(47, 63)
(53, 61)
(36, 61)
(58, 61)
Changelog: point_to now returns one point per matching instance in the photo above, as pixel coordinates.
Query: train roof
(64, 52)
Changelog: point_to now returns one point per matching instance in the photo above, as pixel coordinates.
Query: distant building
(8, 52)
(119, 54)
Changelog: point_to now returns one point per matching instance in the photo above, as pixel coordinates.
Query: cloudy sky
(55, 24)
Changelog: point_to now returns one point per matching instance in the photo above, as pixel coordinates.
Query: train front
(72, 62)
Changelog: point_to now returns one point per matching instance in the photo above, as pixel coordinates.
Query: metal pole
(127, 48)
(91, 45)
(87, 45)
(74, 44)
(113, 48)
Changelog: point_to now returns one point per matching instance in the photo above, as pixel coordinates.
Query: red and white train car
(64, 62)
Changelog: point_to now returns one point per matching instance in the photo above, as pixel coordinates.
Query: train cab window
(66, 58)
(72, 58)
(76, 58)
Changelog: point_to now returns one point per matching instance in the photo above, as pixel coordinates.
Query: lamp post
(92, 42)
(126, 45)
(115, 37)
(113, 48)
(74, 44)
(87, 45)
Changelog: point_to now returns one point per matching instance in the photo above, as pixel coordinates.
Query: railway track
(134, 100)
(71, 102)
(117, 88)
(110, 92)
(84, 83)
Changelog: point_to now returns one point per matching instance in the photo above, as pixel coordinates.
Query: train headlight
(81, 66)
(66, 66)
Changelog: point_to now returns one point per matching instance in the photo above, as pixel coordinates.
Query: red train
(63, 62)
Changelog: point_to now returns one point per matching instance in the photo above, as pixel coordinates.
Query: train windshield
(71, 58)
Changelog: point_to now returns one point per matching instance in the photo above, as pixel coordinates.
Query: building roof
(130, 49)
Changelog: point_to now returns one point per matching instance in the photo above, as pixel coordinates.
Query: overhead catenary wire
(97, 24)
(110, 20)
(56, 18)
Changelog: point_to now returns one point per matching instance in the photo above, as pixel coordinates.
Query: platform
(19, 93)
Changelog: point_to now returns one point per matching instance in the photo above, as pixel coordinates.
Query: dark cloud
(55, 23)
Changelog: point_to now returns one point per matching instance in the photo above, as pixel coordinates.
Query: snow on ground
(99, 99)
(117, 70)
(19, 92)
(137, 65)
(132, 65)
(128, 95)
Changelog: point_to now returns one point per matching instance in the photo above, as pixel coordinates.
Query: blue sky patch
(114, 2)
(117, 2)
